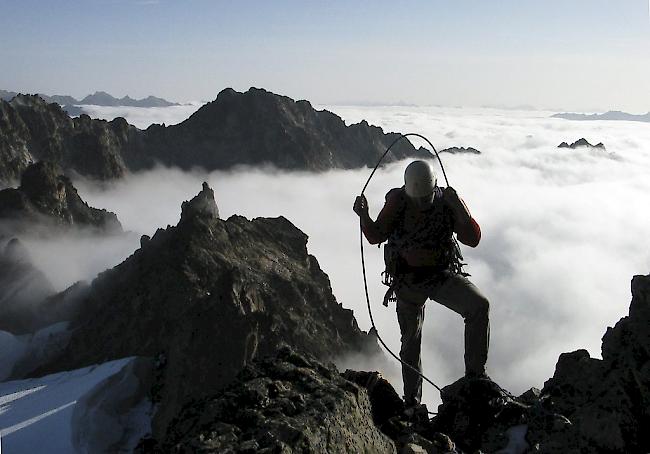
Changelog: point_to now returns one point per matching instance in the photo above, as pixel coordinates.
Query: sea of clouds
(564, 230)
(143, 117)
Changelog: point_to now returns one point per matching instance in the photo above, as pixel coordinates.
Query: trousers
(461, 296)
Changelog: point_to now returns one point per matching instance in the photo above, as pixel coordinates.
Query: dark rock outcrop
(47, 197)
(23, 288)
(32, 130)
(589, 405)
(582, 143)
(259, 127)
(207, 296)
(460, 150)
(608, 400)
(252, 128)
(289, 403)
(28, 301)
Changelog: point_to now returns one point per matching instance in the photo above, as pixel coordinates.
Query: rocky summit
(206, 297)
(253, 128)
(259, 127)
(293, 403)
(46, 198)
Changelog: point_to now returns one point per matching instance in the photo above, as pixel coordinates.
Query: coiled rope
(363, 260)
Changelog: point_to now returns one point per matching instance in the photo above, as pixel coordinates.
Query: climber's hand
(450, 196)
(361, 206)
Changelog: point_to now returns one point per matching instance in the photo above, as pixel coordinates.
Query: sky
(563, 231)
(578, 55)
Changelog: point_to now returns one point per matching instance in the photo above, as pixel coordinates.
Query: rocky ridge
(32, 130)
(252, 128)
(293, 403)
(205, 298)
(47, 198)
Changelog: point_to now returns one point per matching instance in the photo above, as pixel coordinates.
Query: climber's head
(419, 183)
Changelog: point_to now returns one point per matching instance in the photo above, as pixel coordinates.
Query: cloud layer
(143, 117)
(563, 230)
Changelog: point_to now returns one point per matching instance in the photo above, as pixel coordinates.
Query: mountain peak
(47, 197)
(202, 205)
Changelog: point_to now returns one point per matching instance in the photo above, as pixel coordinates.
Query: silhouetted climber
(422, 262)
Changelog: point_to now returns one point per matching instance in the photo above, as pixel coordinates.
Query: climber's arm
(465, 226)
(377, 231)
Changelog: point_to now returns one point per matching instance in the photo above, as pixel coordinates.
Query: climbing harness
(388, 276)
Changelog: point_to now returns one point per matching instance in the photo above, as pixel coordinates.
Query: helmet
(419, 182)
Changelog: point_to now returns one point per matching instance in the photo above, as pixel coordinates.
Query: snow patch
(36, 414)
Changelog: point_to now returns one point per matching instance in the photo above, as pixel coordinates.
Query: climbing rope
(363, 260)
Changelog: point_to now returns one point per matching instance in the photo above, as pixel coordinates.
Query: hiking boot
(417, 413)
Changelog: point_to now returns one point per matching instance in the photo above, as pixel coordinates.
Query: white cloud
(563, 230)
(143, 117)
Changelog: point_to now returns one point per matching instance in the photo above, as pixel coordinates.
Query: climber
(418, 221)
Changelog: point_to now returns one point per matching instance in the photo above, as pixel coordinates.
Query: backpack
(396, 266)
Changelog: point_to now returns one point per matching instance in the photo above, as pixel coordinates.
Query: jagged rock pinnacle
(203, 205)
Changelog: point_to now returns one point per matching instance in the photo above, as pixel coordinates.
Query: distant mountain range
(99, 98)
(254, 128)
(612, 115)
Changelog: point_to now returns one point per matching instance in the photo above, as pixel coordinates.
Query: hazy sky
(557, 54)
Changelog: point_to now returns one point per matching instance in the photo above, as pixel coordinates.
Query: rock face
(22, 290)
(259, 127)
(291, 403)
(32, 130)
(608, 400)
(252, 128)
(582, 143)
(206, 297)
(589, 405)
(47, 197)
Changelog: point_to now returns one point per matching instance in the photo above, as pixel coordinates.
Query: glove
(450, 196)
(361, 206)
